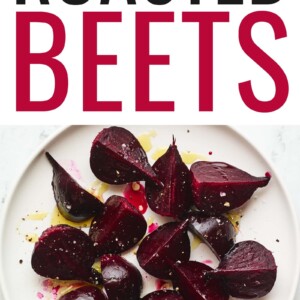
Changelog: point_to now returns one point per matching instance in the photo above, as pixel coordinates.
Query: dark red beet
(66, 253)
(73, 202)
(216, 232)
(121, 279)
(248, 270)
(174, 199)
(163, 247)
(219, 187)
(120, 227)
(85, 293)
(163, 295)
(117, 157)
(191, 281)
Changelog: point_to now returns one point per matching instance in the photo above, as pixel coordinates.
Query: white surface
(280, 144)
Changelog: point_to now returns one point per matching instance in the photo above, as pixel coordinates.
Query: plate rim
(63, 129)
(12, 191)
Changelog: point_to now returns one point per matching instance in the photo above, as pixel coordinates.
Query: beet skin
(121, 279)
(73, 202)
(163, 247)
(248, 270)
(117, 157)
(163, 295)
(217, 232)
(66, 253)
(174, 199)
(190, 280)
(218, 187)
(118, 228)
(84, 293)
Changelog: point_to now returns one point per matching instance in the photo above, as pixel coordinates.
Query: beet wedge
(85, 293)
(117, 157)
(174, 199)
(216, 232)
(120, 227)
(121, 279)
(163, 295)
(189, 278)
(248, 270)
(66, 253)
(163, 247)
(218, 187)
(73, 202)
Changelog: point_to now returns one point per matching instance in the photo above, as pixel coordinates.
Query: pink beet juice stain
(74, 170)
(268, 174)
(207, 262)
(152, 227)
(160, 284)
(55, 290)
(49, 287)
(135, 194)
(47, 283)
(210, 153)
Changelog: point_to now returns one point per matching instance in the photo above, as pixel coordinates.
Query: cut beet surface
(216, 232)
(66, 253)
(121, 279)
(163, 295)
(163, 247)
(120, 227)
(248, 270)
(117, 157)
(174, 199)
(191, 281)
(219, 187)
(84, 293)
(73, 202)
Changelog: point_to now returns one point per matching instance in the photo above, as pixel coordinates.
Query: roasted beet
(73, 202)
(66, 253)
(117, 157)
(219, 187)
(190, 279)
(163, 247)
(216, 232)
(121, 279)
(174, 198)
(248, 270)
(84, 293)
(120, 227)
(163, 295)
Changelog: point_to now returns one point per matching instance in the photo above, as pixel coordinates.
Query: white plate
(267, 217)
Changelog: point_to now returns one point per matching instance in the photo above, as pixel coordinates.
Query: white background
(177, 82)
